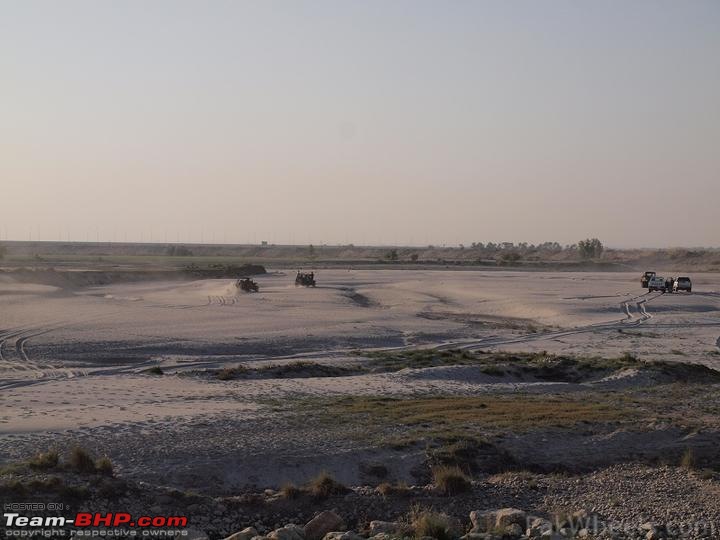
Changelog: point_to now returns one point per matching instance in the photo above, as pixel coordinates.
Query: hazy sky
(365, 122)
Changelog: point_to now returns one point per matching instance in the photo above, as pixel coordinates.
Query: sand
(72, 361)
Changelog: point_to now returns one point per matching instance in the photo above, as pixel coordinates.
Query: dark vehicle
(682, 284)
(645, 279)
(306, 279)
(247, 285)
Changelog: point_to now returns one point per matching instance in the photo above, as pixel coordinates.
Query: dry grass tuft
(387, 489)
(687, 461)
(450, 480)
(290, 491)
(81, 461)
(324, 485)
(230, 373)
(104, 466)
(45, 460)
(155, 370)
(426, 523)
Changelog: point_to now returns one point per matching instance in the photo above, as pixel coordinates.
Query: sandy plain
(74, 361)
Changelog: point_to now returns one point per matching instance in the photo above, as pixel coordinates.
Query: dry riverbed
(230, 406)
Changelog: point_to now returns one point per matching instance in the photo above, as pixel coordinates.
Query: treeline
(178, 251)
(505, 252)
(591, 248)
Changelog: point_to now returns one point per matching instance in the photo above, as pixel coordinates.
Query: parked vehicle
(682, 284)
(645, 279)
(656, 283)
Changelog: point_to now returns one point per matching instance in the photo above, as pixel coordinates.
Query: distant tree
(510, 257)
(590, 248)
(414, 257)
(311, 252)
(392, 255)
(3, 252)
(550, 247)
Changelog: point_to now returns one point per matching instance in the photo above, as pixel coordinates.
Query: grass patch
(14, 487)
(155, 370)
(13, 468)
(290, 491)
(460, 452)
(293, 370)
(386, 489)
(687, 461)
(324, 485)
(304, 369)
(520, 412)
(541, 365)
(104, 466)
(637, 333)
(494, 371)
(230, 373)
(426, 523)
(450, 480)
(52, 483)
(81, 461)
(45, 460)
